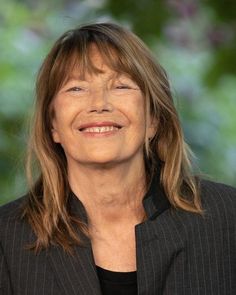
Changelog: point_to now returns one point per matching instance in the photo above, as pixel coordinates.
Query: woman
(114, 208)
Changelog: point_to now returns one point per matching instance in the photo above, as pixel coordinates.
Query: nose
(99, 101)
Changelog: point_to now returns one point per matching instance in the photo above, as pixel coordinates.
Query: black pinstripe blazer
(178, 253)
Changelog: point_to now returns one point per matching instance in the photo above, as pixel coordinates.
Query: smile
(101, 129)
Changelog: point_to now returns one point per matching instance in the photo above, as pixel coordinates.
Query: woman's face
(100, 118)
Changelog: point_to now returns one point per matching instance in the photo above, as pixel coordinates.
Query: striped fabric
(178, 253)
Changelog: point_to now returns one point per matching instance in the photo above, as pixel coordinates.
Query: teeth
(100, 129)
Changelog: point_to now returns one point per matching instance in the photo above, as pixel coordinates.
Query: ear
(152, 127)
(54, 132)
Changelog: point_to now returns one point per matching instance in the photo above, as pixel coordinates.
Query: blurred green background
(195, 41)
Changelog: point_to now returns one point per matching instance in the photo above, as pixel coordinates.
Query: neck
(111, 195)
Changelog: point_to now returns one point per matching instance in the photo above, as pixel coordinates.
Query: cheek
(64, 112)
(134, 106)
(59, 123)
(137, 112)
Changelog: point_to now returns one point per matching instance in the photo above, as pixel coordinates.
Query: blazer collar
(78, 272)
(155, 201)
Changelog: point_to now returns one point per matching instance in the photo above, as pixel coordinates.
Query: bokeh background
(194, 40)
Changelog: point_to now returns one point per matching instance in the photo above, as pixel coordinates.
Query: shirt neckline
(116, 277)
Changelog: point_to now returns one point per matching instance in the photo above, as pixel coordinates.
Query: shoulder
(11, 218)
(12, 209)
(218, 197)
(219, 192)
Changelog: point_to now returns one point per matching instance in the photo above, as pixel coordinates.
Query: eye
(122, 87)
(74, 89)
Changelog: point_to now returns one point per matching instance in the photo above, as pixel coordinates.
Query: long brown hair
(46, 209)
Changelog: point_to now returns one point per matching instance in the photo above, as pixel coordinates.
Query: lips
(99, 127)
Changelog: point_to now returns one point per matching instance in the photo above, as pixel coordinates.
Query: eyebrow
(81, 77)
(75, 77)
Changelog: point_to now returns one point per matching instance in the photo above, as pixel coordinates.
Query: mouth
(100, 128)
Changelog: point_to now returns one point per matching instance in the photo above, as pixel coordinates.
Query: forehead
(96, 57)
(91, 59)
(94, 62)
(101, 70)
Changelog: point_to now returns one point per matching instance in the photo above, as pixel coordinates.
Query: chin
(103, 160)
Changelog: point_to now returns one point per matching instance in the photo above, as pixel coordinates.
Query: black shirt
(117, 283)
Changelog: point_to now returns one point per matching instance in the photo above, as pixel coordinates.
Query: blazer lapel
(75, 274)
(153, 256)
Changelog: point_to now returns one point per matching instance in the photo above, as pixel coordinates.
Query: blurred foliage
(194, 40)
